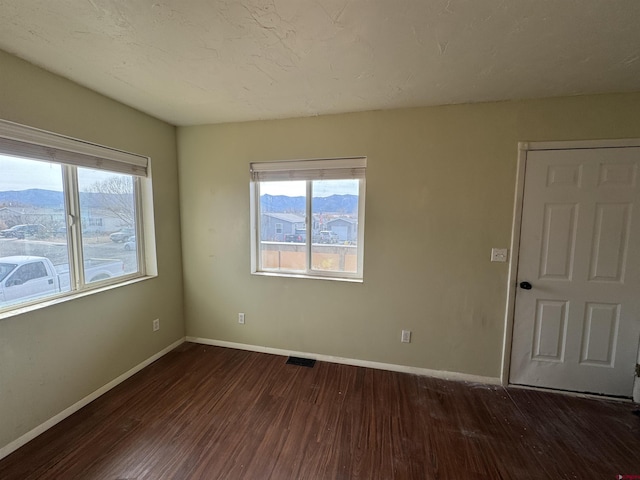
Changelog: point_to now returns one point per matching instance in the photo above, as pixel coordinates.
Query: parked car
(22, 231)
(130, 243)
(327, 236)
(24, 278)
(122, 235)
(295, 237)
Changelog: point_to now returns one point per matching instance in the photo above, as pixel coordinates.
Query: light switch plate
(406, 336)
(499, 254)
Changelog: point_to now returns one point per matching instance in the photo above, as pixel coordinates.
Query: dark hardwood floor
(205, 412)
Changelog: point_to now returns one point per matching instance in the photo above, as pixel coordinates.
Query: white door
(577, 325)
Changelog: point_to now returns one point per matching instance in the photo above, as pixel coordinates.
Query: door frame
(523, 149)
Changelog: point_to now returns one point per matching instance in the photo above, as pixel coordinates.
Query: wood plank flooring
(204, 412)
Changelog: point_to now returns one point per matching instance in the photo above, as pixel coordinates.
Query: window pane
(334, 210)
(282, 226)
(108, 217)
(32, 223)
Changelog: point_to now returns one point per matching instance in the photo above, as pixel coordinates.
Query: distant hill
(36, 197)
(345, 204)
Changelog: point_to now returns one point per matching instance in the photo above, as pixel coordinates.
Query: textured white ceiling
(203, 61)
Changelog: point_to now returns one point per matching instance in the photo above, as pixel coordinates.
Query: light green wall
(440, 192)
(53, 357)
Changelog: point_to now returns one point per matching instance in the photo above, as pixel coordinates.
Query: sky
(321, 188)
(22, 174)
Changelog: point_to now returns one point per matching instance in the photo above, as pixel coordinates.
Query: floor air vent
(301, 362)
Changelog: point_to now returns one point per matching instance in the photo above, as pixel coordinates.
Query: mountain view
(345, 204)
(39, 198)
(34, 197)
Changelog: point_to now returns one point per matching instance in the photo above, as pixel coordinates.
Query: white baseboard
(463, 377)
(30, 435)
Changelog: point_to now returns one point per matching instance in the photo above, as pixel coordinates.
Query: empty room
(301, 239)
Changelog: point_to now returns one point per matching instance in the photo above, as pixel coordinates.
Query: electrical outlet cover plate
(499, 254)
(406, 336)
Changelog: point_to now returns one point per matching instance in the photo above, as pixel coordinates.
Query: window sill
(70, 296)
(308, 277)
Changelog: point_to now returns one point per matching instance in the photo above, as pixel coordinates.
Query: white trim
(308, 224)
(362, 192)
(43, 427)
(460, 377)
(139, 227)
(581, 144)
(285, 274)
(513, 264)
(254, 209)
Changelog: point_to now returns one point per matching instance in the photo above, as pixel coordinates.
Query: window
(92, 222)
(66, 208)
(320, 206)
(30, 271)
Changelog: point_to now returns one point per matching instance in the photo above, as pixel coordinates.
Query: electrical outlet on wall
(241, 318)
(499, 254)
(156, 325)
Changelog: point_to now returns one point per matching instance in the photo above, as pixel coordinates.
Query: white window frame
(353, 168)
(34, 144)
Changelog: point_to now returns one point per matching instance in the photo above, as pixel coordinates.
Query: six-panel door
(578, 327)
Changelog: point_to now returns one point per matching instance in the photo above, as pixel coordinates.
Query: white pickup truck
(25, 278)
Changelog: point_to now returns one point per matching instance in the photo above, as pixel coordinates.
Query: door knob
(525, 285)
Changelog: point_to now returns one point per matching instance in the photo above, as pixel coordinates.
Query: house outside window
(308, 218)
